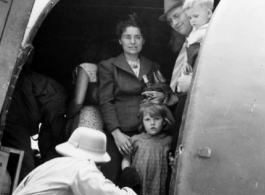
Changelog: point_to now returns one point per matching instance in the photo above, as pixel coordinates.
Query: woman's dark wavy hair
(132, 20)
(154, 109)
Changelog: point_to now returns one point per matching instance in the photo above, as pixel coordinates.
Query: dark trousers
(130, 178)
(18, 136)
(112, 169)
(52, 133)
(178, 119)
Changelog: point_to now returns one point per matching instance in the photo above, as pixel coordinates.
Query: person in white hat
(75, 173)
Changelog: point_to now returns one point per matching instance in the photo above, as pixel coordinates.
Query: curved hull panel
(222, 137)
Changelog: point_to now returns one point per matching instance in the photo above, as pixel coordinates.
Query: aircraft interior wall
(61, 40)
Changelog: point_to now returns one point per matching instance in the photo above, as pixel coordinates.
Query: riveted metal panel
(16, 43)
(4, 10)
(16, 14)
(221, 146)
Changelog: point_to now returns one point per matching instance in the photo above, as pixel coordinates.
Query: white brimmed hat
(85, 143)
(168, 6)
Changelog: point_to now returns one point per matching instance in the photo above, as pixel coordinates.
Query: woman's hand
(154, 96)
(123, 142)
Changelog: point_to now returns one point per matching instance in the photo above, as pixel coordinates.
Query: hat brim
(68, 149)
(163, 17)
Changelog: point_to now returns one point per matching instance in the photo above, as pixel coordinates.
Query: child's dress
(150, 159)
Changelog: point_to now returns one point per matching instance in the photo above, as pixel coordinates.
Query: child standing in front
(150, 149)
(199, 13)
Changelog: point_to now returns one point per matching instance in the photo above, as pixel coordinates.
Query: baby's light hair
(190, 3)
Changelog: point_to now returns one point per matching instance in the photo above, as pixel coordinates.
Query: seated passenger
(83, 109)
(121, 86)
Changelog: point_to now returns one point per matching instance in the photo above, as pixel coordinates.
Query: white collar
(202, 27)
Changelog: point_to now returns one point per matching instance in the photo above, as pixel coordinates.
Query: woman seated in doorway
(121, 88)
(83, 109)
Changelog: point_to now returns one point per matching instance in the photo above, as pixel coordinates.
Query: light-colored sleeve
(91, 70)
(90, 181)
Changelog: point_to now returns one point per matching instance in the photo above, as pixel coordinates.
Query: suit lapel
(145, 67)
(122, 63)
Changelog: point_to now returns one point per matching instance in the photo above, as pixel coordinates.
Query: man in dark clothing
(37, 107)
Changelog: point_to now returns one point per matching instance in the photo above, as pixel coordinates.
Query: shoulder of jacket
(106, 64)
(110, 60)
(148, 61)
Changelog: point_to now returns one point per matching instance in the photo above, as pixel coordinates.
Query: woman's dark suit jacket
(120, 92)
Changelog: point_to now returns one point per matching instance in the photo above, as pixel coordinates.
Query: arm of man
(184, 81)
(89, 180)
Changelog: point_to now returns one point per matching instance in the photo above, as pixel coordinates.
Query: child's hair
(190, 3)
(153, 109)
(132, 20)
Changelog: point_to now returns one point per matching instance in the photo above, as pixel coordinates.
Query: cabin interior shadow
(62, 38)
